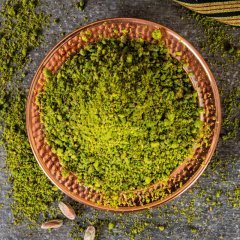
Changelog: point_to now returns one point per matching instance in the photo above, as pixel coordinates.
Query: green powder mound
(20, 31)
(120, 114)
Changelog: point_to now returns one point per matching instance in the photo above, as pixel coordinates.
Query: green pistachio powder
(32, 193)
(17, 37)
(120, 114)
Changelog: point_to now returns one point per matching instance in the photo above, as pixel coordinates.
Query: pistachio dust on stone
(20, 31)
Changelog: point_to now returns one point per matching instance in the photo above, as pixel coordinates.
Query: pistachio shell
(90, 233)
(52, 224)
(67, 210)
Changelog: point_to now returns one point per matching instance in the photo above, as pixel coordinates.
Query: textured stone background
(191, 216)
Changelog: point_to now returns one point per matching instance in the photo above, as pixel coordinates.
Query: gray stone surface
(210, 222)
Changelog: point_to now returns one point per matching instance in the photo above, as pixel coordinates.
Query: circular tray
(203, 81)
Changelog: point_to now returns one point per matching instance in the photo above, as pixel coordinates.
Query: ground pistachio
(121, 116)
(14, 113)
(161, 228)
(81, 5)
(110, 226)
(32, 193)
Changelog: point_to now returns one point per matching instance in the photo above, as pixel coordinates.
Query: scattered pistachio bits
(121, 114)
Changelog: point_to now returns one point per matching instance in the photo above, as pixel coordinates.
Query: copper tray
(203, 81)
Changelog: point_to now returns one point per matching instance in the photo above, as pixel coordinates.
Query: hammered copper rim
(205, 82)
